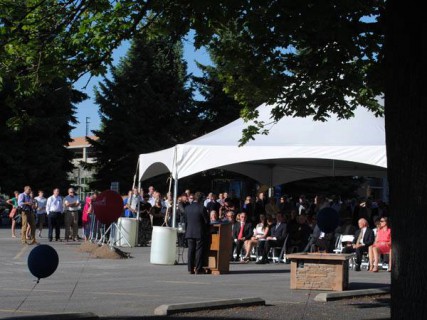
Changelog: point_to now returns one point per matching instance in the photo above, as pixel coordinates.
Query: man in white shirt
(207, 200)
(40, 211)
(363, 238)
(151, 195)
(54, 210)
(155, 196)
(72, 207)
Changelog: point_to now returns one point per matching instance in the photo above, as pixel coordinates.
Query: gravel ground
(377, 307)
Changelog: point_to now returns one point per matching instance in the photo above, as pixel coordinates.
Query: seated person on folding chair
(363, 238)
(276, 239)
(382, 245)
(242, 231)
(259, 234)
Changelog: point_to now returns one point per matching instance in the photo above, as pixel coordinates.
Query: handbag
(12, 213)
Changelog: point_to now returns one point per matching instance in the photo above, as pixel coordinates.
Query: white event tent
(294, 149)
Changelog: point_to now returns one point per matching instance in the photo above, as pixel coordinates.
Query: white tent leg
(175, 195)
(139, 202)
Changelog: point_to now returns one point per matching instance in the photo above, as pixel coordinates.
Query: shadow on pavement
(375, 303)
(258, 271)
(366, 285)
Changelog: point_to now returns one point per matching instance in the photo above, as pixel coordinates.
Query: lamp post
(87, 126)
(85, 149)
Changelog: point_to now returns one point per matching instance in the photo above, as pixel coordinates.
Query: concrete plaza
(134, 287)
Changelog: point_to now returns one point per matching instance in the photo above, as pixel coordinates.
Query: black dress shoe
(357, 268)
(261, 261)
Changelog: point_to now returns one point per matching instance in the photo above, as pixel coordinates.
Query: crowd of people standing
(32, 212)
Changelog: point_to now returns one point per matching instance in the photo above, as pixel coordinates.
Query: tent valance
(296, 148)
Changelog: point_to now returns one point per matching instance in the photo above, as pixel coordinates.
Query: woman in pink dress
(382, 245)
(87, 216)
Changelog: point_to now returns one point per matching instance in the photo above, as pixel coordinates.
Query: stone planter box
(319, 271)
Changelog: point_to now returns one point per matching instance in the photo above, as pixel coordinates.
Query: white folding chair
(338, 244)
(279, 258)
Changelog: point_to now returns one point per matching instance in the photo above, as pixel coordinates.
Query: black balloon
(43, 261)
(328, 220)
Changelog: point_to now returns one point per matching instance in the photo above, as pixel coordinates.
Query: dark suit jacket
(247, 230)
(279, 232)
(197, 219)
(368, 237)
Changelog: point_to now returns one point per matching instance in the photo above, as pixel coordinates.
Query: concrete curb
(330, 296)
(167, 309)
(60, 316)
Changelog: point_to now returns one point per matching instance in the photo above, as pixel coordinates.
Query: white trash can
(163, 245)
(128, 228)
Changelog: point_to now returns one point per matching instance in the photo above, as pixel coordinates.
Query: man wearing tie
(363, 238)
(276, 239)
(242, 231)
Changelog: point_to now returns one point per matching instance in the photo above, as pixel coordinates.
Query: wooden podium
(220, 249)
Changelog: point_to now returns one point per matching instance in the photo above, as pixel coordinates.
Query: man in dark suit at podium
(197, 219)
(276, 239)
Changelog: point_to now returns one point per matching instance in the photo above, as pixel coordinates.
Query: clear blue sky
(88, 108)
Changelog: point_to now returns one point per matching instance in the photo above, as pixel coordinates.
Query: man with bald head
(363, 238)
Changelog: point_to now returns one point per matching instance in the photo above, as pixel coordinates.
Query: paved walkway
(134, 287)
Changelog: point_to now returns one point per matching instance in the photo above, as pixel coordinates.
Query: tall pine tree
(34, 151)
(146, 106)
(217, 108)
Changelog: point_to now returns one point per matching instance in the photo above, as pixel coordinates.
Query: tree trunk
(406, 135)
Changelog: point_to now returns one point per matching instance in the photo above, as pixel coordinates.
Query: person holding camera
(25, 205)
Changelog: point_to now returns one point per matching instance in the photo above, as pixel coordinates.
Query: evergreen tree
(34, 150)
(310, 55)
(145, 107)
(217, 108)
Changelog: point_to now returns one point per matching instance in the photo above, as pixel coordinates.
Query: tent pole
(139, 202)
(139, 188)
(175, 188)
(175, 195)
